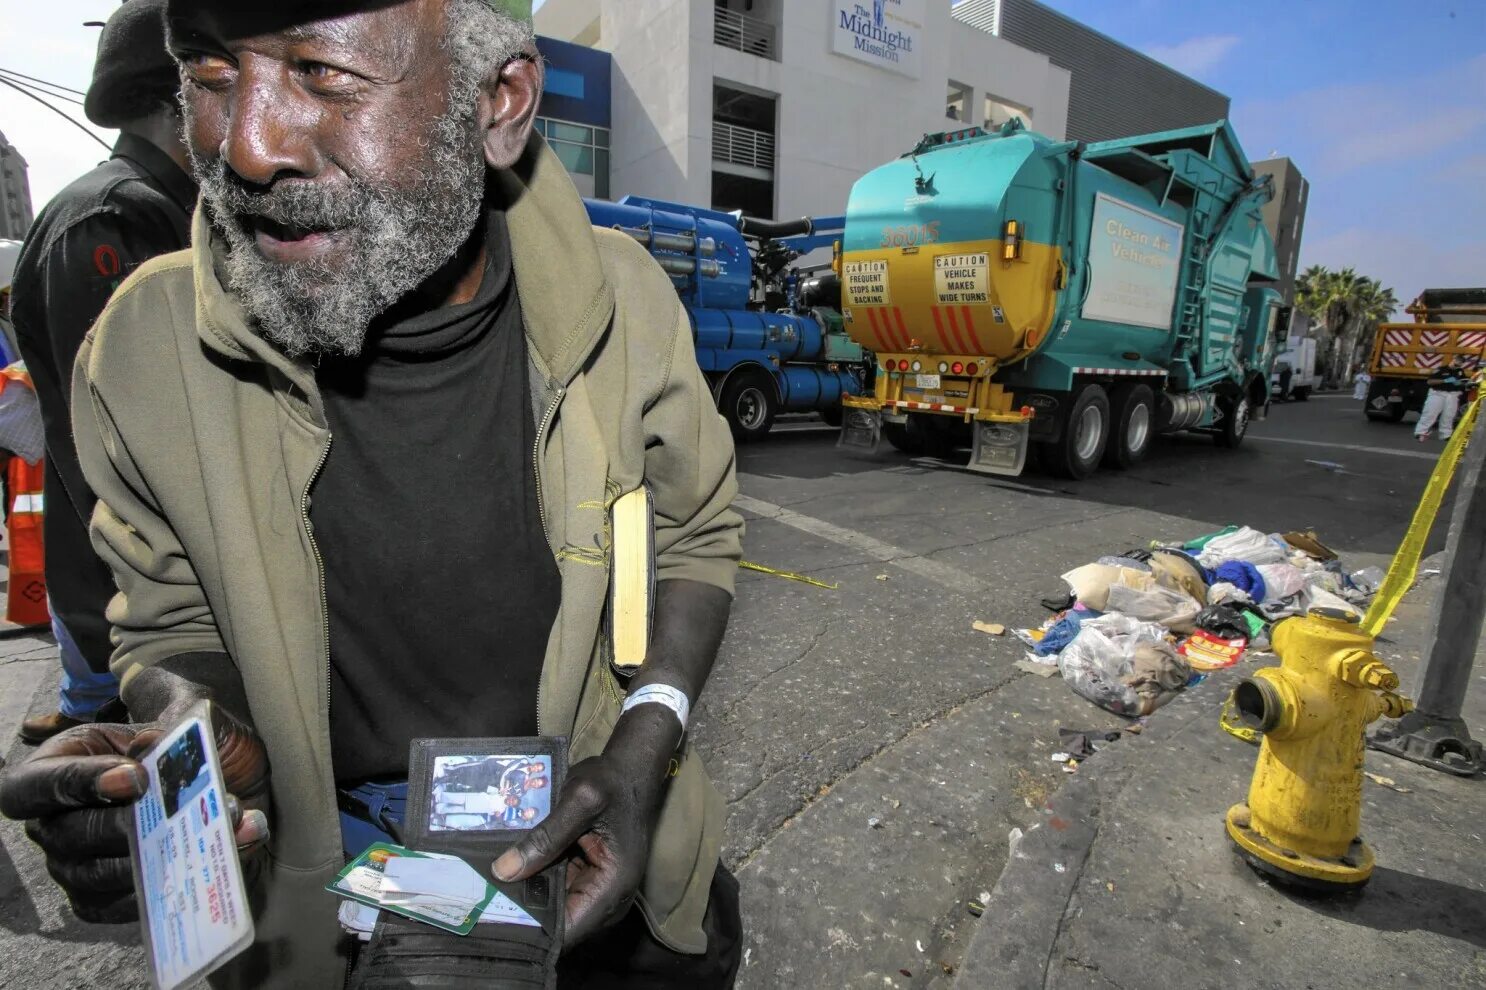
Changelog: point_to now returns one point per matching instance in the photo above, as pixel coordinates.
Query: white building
(777, 106)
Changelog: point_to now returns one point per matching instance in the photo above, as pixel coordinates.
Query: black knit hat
(133, 70)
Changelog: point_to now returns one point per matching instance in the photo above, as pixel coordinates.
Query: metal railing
(745, 33)
(742, 146)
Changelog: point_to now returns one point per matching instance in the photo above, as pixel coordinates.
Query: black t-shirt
(441, 587)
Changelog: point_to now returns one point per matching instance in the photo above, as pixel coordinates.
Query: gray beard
(396, 237)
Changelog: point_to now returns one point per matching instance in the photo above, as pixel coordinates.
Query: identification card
(193, 903)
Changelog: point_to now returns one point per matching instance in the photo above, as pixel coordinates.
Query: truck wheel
(1302, 393)
(905, 441)
(1235, 425)
(919, 437)
(748, 404)
(1134, 419)
(832, 415)
(1085, 435)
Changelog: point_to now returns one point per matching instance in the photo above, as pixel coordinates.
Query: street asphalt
(873, 748)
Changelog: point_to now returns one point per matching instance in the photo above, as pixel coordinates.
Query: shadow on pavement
(1402, 902)
(1356, 500)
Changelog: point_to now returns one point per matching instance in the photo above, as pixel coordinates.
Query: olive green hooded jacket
(202, 441)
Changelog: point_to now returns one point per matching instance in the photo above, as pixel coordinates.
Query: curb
(1012, 945)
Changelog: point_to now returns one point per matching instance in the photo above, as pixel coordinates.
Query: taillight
(918, 366)
(958, 368)
(972, 368)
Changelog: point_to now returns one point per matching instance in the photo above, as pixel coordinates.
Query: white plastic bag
(1167, 607)
(1281, 581)
(1243, 544)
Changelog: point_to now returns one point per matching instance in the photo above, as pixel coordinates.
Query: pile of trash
(1134, 630)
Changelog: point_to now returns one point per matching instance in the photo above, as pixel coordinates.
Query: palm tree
(1371, 305)
(1348, 308)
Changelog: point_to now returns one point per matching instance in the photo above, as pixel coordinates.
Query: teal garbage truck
(1021, 293)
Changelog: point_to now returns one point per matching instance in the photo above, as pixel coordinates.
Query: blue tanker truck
(768, 332)
(1021, 292)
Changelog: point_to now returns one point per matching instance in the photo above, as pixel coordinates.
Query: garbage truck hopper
(1018, 291)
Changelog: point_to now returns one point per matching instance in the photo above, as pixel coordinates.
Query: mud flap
(861, 430)
(999, 448)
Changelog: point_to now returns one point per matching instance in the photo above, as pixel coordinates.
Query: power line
(59, 113)
(4, 74)
(22, 75)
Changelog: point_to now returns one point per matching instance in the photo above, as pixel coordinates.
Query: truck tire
(919, 437)
(1085, 435)
(748, 404)
(1301, 393)
(1235, 424)
(832, 415)
(1133, 415)
(903, 441)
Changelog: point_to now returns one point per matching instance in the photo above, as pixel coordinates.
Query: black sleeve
(68, 289)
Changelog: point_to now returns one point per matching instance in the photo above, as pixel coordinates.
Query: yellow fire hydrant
(1305, 800)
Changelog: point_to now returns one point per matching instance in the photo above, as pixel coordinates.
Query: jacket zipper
(309, 532)
(536, 464)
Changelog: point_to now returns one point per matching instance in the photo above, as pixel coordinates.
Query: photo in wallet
(475, 793)
(475, 798)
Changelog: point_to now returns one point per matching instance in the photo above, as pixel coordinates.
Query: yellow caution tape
(790, 575)
(1231, 724)
(1405, 565)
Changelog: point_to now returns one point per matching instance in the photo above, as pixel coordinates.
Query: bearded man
(354, 453)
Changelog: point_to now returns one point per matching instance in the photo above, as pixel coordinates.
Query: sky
(1381, 105)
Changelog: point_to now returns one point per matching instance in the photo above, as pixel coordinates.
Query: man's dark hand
(602, 823)
(75, 795)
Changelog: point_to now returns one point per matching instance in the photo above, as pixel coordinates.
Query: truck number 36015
(910, 234)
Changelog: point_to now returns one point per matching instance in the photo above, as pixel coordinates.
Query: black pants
(627, 956)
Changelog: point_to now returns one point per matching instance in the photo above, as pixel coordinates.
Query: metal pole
(1434, 734)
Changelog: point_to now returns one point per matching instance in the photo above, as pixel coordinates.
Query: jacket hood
(566, 299)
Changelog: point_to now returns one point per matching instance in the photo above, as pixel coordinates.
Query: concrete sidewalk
(1130, 879)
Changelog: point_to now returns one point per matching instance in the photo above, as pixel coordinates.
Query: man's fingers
(252, 831)
(581, 803)
(87, 832)
(97, 875)
(48, 785)
(600, 890)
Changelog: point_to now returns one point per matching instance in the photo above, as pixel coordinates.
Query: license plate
(927, 381)
(1395, 398)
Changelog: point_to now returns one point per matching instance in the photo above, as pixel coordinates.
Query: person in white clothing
(1443, 400)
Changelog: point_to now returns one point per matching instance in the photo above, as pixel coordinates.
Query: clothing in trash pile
(1064, 627)
(1123, 665)
(1242, 575)
(1216, 595)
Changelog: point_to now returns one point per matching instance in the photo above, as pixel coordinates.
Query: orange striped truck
(1447, 322)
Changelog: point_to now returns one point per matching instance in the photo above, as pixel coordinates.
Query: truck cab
(1294, 375)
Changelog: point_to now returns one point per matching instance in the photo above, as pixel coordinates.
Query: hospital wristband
(660, 694)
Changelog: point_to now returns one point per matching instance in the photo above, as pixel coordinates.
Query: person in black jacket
(1443, 400)
(90, 236)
